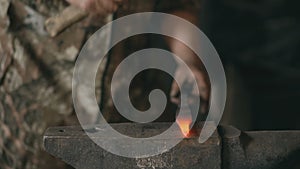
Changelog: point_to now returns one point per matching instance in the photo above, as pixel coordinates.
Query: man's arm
(190, 58)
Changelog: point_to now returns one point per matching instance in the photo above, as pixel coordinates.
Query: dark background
(257, 40)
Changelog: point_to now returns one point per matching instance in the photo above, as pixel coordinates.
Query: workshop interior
(257, 125)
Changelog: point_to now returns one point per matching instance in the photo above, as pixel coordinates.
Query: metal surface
(228, 148)
(260, 149)
(74, 147)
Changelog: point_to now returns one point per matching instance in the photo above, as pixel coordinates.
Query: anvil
(227, 148)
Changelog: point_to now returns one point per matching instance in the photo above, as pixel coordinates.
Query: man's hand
(183, 78)
(190, 59)
(99, 7)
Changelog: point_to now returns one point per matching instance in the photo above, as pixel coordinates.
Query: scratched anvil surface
(228, 148)
(72, 145)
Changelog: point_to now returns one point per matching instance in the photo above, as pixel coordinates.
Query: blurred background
(257, 40)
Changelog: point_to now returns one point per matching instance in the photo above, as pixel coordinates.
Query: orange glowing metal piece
(184, 125)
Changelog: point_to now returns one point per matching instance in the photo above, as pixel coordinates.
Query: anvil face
(72, 145)
(228, 148)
